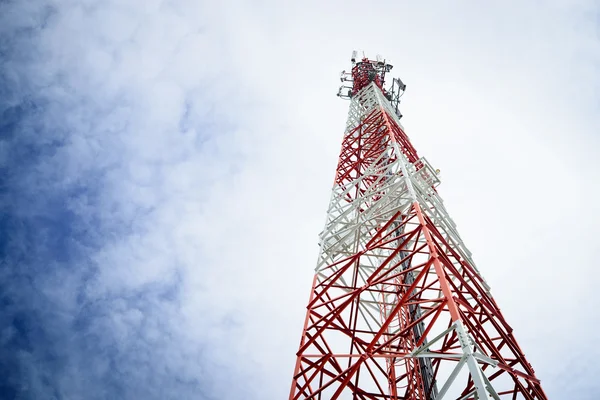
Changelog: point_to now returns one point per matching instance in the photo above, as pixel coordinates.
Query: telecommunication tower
(398, 309)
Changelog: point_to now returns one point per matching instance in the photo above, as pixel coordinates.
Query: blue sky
(165, 168)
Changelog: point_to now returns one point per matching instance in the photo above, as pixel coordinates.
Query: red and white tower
(398, 309)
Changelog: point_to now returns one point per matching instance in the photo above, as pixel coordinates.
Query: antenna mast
(398, 309)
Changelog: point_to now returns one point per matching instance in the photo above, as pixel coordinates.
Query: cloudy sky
(165, 168)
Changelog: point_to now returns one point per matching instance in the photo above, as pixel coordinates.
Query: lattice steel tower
(398, 309)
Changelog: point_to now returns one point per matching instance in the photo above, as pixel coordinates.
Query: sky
(165, 168)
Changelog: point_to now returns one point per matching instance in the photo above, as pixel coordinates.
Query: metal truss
(398, 309)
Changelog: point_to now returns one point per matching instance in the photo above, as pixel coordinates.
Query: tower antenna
(398, 309)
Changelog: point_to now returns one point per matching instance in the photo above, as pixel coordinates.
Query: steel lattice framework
(398, 309)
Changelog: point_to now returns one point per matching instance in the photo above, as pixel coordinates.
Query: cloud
(166, 167)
